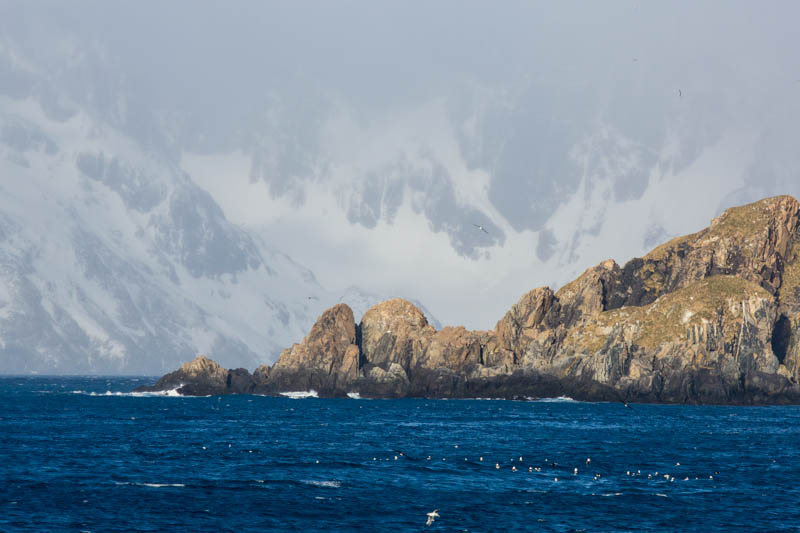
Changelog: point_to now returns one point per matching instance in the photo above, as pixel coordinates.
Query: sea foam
(297, 395)
(553, 400)
(172, 393)
(327, 484)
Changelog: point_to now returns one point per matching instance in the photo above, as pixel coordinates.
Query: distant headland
(710, 317)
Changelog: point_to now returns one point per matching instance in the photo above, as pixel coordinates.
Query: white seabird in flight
(433, 515)
(480, 228)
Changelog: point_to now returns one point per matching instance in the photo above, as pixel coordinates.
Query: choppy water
(76, 456)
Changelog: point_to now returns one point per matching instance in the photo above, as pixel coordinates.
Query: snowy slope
(112, 260)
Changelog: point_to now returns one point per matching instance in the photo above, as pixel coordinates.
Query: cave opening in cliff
(781, 334)
(362, 359)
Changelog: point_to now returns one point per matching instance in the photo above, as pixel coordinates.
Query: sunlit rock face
(326, 361)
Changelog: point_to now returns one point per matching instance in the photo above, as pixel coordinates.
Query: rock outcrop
(326, 361)
(203, 377)
(710, 317)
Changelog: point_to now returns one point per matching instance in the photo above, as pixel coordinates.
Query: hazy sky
(366, 138)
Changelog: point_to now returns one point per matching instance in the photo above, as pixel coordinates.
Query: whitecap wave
(297, 395)
(559, 399)
(152, 485)
(327, 484)
(173, 393)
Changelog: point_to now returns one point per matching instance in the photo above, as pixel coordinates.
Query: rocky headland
(710, 317)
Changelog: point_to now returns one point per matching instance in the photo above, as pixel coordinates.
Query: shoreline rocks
(710, 317)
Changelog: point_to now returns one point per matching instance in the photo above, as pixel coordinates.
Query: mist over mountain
(166, 170)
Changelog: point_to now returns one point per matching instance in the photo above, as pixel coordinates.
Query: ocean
(82, 454)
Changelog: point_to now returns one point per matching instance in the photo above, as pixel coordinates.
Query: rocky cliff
(710, 317)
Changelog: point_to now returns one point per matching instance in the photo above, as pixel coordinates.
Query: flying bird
(433, 515)
(480, 228)
(680, 93)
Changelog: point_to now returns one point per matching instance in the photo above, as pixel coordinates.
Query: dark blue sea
(80, 454)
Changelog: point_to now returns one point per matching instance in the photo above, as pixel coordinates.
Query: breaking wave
(173, 393)
(559, 399)
(297, 395)
(152, 485)
(327, 484)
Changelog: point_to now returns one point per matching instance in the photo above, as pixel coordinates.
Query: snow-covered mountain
(112, 260)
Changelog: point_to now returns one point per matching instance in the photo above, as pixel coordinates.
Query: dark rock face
(711, 317)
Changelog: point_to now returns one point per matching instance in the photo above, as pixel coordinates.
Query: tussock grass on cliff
(670, 316)
(745, 220)
(662, 251)
(736, 222)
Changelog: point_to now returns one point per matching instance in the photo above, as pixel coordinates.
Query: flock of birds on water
(575, 471)
(517, 464)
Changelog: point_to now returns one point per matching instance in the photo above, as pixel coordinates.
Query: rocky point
(710, 317)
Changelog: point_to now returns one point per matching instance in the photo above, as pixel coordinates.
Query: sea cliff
(710, 317)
